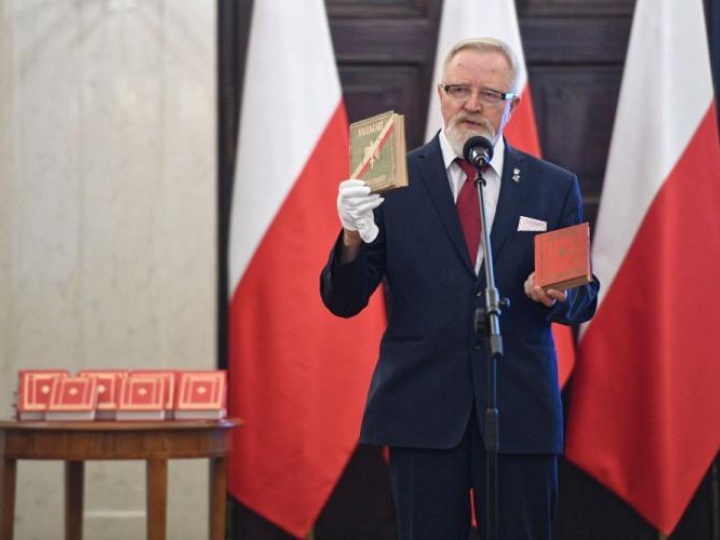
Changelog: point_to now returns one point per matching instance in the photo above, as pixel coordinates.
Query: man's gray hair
(486, 44)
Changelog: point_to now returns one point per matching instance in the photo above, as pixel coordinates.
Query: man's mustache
(482, 122)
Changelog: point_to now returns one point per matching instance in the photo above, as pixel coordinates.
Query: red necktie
(468, 208)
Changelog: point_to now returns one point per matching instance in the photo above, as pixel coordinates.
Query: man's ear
(513, 105)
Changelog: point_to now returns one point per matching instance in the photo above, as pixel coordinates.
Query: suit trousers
(431, 489)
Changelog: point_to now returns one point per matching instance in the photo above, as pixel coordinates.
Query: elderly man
(428, 389)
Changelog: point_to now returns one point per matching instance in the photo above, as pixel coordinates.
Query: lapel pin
(516, 175)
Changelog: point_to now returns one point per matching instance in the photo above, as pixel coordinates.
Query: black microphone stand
(487, 320)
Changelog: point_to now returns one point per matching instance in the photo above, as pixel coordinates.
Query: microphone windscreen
(480, 144)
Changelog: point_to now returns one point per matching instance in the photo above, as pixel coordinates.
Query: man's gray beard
(457, 137)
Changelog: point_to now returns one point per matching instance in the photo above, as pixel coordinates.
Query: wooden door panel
(575, 7)
(575, 109)
(378, 8)
(372, 90)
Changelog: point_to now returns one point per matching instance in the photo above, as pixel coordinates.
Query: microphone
(478, 151)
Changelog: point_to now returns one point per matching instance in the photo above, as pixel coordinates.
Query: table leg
(218, 497)
(8, 473)
(157, 473)
(74, 481)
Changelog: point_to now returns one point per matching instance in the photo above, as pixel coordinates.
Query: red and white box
(142, 398)
(171, 377)
(73, 398)
(108, 389)
(35, 390)
(201, 395)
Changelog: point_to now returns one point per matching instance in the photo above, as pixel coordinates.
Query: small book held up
(377, 152)
(562, 258)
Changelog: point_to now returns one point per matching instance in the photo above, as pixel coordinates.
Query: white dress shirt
(491, 191)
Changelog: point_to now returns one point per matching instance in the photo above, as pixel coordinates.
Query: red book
(142, 398)
(73, 398)
(171, 378)
(34, 391)
(562, 258)
(201, 394)
(108, 389)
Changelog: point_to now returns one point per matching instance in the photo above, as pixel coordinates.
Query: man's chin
(460, 137)
(476, 132)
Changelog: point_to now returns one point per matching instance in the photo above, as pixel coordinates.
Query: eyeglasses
(462, 92)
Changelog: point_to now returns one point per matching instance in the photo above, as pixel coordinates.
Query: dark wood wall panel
(383, 40)
(575, 110)
(575, 40)
(369, 90)
(377, 8)
(574, 7)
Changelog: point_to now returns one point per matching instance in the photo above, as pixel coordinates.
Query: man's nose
(473, 102)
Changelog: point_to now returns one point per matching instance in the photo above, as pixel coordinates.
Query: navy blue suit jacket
(432, 364)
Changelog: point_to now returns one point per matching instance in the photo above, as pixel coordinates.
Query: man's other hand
(536, 293)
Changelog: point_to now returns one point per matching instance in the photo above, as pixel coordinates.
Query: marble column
(107, 221)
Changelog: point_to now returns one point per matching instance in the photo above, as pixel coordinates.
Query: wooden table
(154, 442)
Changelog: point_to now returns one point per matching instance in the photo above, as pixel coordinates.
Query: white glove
(355, 207)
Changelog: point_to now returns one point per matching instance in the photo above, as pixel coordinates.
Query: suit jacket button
(478, 293)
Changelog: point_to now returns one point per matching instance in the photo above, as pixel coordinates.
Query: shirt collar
(496, 163)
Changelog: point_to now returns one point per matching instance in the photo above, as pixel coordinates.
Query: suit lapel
(433, 177)
(511, 186)
(506, 217)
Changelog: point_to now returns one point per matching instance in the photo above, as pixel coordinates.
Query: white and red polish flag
(298, 375)
(465, 19)
(644, 416)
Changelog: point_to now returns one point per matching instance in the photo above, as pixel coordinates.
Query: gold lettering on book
(370, 128)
